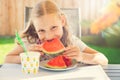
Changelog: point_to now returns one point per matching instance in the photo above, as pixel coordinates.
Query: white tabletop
(82, 72)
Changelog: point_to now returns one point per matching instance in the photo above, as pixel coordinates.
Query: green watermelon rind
(56, 52)
(54, 55)
(55, 67)
(74, 61)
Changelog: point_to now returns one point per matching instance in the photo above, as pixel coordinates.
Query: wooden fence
(12, 12)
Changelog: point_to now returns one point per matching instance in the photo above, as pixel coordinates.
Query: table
(113, 71)
(82, 72)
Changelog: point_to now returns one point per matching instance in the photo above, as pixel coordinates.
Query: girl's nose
(49, 36)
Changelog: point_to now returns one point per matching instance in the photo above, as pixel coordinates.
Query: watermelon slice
(53, 46)
(59, 62)
(67, 61)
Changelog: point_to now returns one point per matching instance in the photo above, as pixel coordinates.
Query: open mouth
(50, 40)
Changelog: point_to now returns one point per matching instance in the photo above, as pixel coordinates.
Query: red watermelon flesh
(59, 62)
(53, 46)
(67, 61)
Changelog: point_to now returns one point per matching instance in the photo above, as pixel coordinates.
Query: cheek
(59, 32)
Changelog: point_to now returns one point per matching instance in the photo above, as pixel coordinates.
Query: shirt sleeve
(77, 42)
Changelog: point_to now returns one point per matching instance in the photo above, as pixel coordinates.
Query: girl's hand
(72, 52)
(35, 47)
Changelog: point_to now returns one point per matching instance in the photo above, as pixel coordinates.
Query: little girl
(48, 22)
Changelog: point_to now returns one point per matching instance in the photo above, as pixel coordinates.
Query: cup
(30, 62)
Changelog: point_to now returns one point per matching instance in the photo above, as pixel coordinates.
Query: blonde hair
(42, 8)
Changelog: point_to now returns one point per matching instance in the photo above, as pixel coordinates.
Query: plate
(42, 66)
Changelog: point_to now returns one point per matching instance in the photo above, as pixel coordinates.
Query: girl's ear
(63, 19)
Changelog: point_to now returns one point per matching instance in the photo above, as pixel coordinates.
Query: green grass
(6, 44)
(113, 54)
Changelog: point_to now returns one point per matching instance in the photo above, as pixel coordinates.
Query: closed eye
(41, 30)
(54, 27)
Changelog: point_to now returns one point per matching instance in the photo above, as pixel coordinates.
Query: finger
(71, 50)
(73, 47)
(72, 54)
(73, 57)
(36, 47)
(41, 53)
(69, 47)
(68, 52)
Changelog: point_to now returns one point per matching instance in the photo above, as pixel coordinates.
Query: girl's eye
(41, 31)
(54, 27)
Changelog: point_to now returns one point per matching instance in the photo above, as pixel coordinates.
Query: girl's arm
(91, 56)
(86, 54)
(13, 56)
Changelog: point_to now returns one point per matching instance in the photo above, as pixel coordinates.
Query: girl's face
(49, 26)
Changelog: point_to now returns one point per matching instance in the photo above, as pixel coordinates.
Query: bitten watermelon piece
(59, 62)
(53, 46)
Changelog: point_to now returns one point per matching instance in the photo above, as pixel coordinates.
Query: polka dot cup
(30, 62)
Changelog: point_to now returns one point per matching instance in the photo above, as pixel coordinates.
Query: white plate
(42, 66)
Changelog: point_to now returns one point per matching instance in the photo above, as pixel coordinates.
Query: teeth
(49, 40)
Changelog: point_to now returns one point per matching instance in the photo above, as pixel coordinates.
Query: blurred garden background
(99, 24)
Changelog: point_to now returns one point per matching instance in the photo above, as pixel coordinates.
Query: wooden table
(113, 71)
(81, 72)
